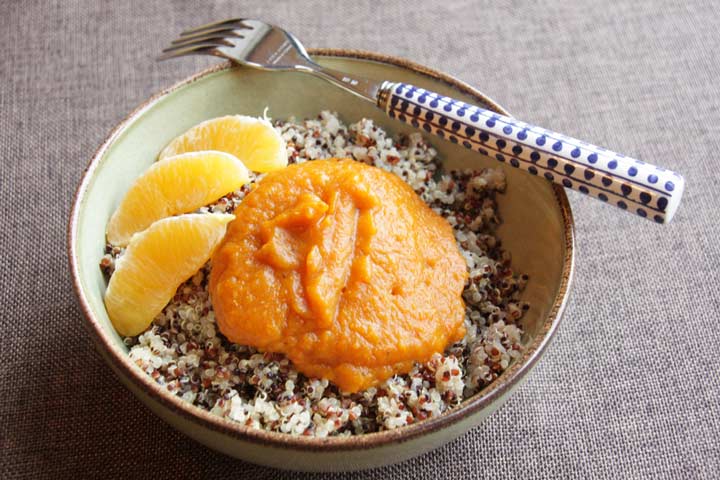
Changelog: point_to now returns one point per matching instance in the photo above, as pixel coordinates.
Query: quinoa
(184, 351)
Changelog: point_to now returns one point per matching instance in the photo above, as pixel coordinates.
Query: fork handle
(632, 185)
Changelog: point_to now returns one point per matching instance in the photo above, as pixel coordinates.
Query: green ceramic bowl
(537, 229)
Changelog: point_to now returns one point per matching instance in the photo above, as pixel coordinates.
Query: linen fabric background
(630, 386)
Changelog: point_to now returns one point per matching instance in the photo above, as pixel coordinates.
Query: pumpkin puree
(344, 269)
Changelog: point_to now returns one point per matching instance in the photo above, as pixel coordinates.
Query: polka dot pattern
(629, 184)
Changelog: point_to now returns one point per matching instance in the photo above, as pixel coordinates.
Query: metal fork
(632, 185)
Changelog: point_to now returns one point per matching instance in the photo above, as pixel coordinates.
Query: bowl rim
(502, 385)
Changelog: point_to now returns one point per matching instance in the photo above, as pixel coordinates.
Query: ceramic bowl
(537, 229)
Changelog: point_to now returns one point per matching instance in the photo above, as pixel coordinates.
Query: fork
(632, 185)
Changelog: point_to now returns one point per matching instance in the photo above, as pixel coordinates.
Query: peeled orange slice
(154, 265)
(178, 184)
(253, 140)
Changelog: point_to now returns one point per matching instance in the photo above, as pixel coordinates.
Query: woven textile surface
(630, 387)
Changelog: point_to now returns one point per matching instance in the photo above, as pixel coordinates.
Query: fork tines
(229, 24)
(206, 38)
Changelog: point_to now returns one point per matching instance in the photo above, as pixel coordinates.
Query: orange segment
(178, 184)
(253, 140)
(154, 265)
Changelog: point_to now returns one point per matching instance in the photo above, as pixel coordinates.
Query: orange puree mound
(343, 268)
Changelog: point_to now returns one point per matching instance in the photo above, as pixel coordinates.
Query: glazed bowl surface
(537, 229)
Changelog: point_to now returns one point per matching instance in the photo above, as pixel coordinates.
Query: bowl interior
(534, 229)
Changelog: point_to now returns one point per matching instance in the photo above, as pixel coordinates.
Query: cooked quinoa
(184, 351)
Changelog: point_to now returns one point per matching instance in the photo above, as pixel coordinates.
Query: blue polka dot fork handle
(646, 190)
(632, 185)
